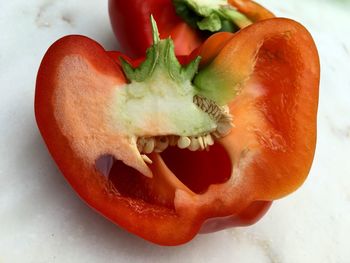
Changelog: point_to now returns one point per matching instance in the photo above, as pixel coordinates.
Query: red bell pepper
(188, 22)
(115, 129)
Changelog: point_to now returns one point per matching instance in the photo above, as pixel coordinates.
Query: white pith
(158, 107)
(193, 143)
(147, 145)
(93, 131)
(160, 112)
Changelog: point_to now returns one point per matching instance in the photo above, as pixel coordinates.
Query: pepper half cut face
(167, 150)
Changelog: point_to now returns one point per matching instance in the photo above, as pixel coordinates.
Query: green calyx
(158, 100)
(211, 15)
(163, 98)
(160, 56)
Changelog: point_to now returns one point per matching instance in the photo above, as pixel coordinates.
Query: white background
(42, 219)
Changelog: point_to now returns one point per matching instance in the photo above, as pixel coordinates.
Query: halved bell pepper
(166, 150)
(188, 22)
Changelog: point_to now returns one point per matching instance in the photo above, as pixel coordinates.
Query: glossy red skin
(131, 24)
(156, 223)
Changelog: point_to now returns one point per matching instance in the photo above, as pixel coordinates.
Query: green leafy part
(212, 23)
(160, 56)
(211, 15)
(146, 69)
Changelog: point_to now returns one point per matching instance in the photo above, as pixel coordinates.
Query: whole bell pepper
(188, 22)
(166, 150)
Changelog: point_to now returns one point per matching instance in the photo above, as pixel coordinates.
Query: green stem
(160, 56)
(212, 15)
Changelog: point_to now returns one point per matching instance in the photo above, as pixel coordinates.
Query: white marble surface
(41, 218)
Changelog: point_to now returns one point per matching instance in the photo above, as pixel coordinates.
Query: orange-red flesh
(277, 108)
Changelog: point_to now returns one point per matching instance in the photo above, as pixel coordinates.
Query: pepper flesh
(270, 150)
(129, 17)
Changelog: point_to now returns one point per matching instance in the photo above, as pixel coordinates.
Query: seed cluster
(208, 106)
(160, 143)
(221, 115)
